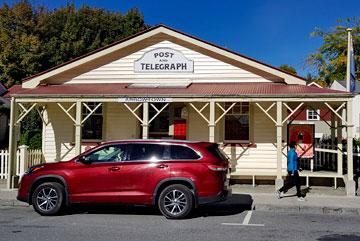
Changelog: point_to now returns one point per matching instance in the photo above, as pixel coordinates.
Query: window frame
(250, 125)
(102, 124)
(316, 115)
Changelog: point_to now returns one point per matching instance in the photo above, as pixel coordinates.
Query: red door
(180, 129)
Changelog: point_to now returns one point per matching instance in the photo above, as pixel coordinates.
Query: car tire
(176, 201)
(47, 199)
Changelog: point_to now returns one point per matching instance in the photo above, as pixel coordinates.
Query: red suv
(176, 176)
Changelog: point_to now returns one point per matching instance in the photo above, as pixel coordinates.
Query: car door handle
(114, 169)
(162, 166)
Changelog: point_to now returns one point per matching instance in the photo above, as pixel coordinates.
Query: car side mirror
(83, 160)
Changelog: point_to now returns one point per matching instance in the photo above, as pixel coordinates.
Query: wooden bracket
(267, 111)
(91, 111)
(158, 111)
(225, 111)
(24, 112)
(133, 111)
(199, 111)
(337, 110)
(292, 111)
(67, 111)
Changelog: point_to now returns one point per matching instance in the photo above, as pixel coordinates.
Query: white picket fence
(24, 159)
(326, 159)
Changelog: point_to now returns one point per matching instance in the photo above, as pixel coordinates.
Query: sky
(272, 31)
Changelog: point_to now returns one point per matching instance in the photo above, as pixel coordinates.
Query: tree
(33, 39)
(288, 69)
(329, 60)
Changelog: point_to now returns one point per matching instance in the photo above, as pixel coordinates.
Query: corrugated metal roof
(195, 89)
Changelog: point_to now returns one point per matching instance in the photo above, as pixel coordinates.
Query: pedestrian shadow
(235, 204)
(304, 192)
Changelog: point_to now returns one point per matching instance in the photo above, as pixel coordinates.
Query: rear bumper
(222, 196)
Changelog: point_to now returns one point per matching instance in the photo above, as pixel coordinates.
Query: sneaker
(301, 199)
(279, 194)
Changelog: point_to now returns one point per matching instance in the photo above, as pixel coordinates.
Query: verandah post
(78, 127)
(12, 145)
(212, 122)
(145, 124)
(350, 185)
(279, 181)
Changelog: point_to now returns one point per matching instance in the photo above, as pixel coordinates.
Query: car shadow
(235, 204)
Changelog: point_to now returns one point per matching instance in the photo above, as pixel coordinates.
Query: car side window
(113, 153)
(141, 151)
(182, 153)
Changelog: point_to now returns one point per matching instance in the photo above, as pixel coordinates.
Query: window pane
(237, 127)
(108, 154)
(146, 152)
(183, 153)
(92, 128)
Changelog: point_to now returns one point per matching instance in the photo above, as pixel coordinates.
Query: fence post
(23, 159)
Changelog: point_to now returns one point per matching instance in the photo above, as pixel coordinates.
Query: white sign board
(145, 99)
(163, 60)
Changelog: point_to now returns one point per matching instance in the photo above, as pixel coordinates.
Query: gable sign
(163, 60)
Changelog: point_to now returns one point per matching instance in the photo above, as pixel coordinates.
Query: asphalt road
(222, 221)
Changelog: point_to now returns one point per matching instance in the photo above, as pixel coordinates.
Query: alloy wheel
(47, 199)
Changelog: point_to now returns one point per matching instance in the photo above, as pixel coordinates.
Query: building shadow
(235, 204)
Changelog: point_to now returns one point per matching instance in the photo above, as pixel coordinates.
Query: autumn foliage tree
(33, 39)
(329, 61)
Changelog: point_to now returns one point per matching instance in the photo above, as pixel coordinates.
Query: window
(313, 114)
(92, 128)
(182, 153)
(140, 152)
(159, 127)
(237, 122)
(115, 153)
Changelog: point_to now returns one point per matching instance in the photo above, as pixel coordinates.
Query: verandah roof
(195, 89)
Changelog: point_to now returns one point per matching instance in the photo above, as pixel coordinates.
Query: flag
(352, 66)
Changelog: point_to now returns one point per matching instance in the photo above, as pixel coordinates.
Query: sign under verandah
(165, 60)
(145, 99)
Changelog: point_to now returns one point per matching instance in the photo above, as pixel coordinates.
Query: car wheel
(176, 201)
(47, 198)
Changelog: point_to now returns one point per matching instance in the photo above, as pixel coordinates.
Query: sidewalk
(319, 200)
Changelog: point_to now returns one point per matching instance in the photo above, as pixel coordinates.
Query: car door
(141, 171)
(97, 178)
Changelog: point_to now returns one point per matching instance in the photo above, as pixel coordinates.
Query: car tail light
(217, 168)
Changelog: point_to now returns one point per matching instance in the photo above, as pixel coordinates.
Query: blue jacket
(292, 161)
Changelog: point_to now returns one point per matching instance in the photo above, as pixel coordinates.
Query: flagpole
(348, 60)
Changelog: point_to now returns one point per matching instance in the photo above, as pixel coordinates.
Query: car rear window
(146, 152)
(182, 153)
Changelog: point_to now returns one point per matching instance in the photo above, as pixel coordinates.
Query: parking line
(247, 217)
(240, 224)
(245, 222)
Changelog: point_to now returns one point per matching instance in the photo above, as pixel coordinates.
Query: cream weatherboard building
(162, 83)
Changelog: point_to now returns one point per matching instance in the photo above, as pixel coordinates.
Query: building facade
(163, 83)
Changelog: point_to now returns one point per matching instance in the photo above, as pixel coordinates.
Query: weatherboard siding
(58, 147)
(205, 69)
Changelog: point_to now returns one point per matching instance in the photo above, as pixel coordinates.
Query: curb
(307, 209)
(12, 203)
